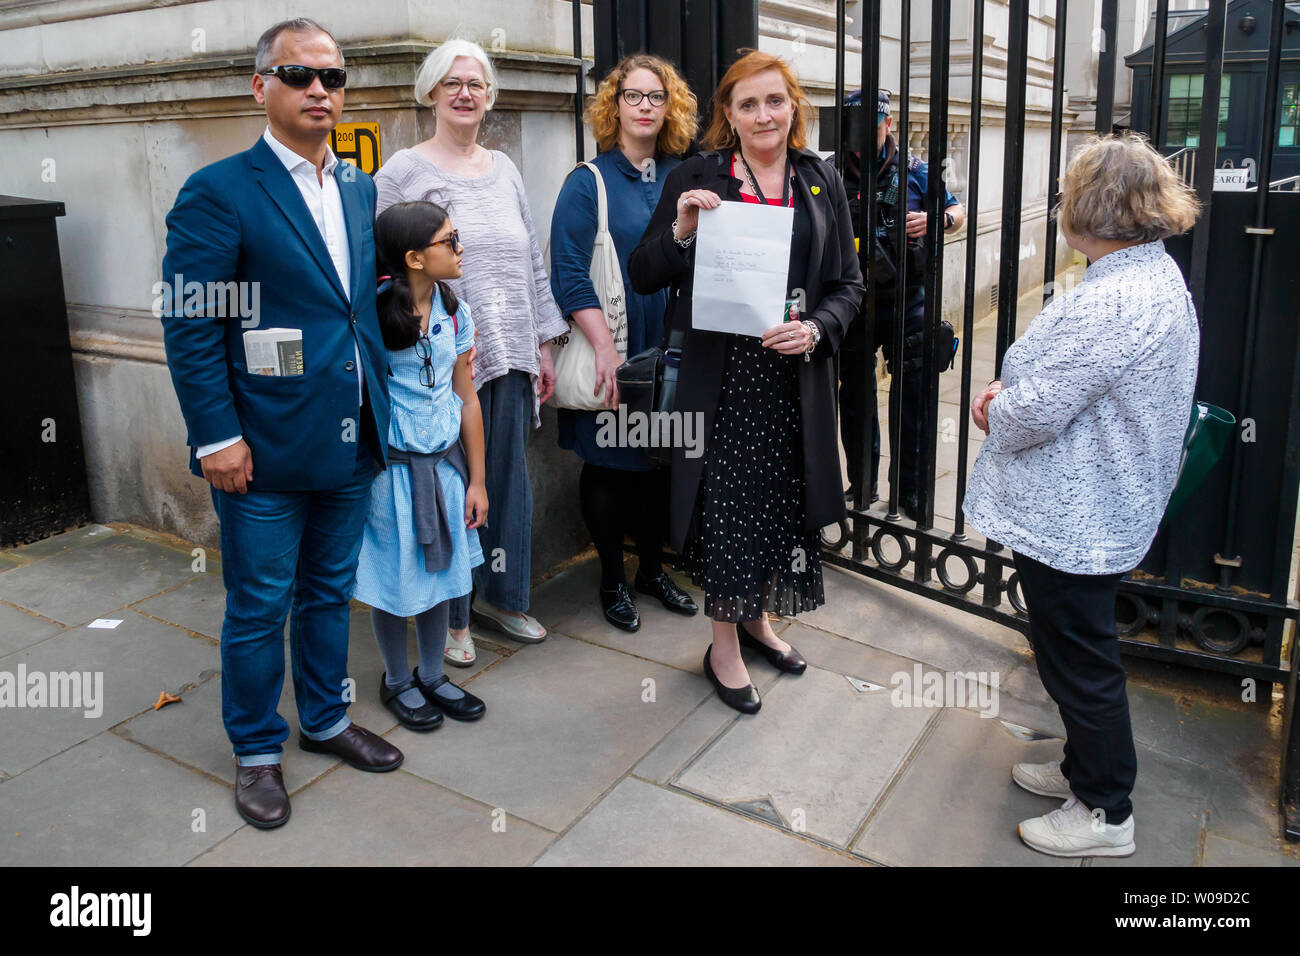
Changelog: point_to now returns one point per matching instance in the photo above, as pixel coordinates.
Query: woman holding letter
(745, 515)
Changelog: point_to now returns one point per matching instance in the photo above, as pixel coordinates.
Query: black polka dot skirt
(748, 549)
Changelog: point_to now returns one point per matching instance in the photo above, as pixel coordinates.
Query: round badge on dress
(436, 329)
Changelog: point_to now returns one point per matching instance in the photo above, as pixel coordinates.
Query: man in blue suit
(290, 457)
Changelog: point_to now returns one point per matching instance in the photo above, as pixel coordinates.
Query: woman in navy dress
(643, 118)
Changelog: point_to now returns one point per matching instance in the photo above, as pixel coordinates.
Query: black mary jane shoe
(420, 719)
(790, 661)
(744, 699)
(620, 609)
(668, 593)
(468, 707)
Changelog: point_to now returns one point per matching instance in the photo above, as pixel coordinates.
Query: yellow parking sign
(358, 144)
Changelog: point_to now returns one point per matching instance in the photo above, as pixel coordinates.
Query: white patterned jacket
(1085, 438)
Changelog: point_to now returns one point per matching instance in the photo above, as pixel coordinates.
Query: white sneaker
(1073, 831)
(1044, 779)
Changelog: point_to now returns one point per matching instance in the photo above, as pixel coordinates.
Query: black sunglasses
(301, 77)
(452, 239)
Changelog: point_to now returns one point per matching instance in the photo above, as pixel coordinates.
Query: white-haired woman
(1084, 439)
(505, 282)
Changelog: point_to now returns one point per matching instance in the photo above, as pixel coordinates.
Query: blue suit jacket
(243, 220)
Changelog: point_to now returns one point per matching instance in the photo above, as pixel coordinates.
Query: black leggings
(615, 502)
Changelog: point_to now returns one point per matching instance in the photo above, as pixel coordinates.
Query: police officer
(857, 356)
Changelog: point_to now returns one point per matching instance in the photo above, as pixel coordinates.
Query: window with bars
(1184, 124)
(1288, 124)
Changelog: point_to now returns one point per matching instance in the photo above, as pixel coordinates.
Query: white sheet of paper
(742, 263)
(107, 623)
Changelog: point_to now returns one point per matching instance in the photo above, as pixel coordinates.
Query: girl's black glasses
(424, 349)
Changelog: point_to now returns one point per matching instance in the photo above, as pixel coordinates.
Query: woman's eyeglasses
(452, 240)
(633, 97)
(301, 77)
(424, 349)
(452, 86)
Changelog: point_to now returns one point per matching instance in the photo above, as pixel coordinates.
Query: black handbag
(647, 385)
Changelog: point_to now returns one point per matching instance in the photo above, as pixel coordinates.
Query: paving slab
(8, 561)
(1245, 808)
(108, 802)
(1170, 806)
(351, 818)
(637, 824)
(198, 605)
(956, 805)
(565, 721)
(81, 583)
(819, 750)
(699, 727)
(1221, 851)
(59, 543)
(912, 626)
(138, 660)
(19, 629)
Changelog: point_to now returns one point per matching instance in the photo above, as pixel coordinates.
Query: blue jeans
(283, 550)
(507, 538)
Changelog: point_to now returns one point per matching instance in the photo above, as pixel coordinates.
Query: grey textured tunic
(1085, 438)
(503, 277)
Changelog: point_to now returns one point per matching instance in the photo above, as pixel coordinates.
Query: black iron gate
(1212, 591)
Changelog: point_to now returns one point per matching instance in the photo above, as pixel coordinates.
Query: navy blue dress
(632, 196)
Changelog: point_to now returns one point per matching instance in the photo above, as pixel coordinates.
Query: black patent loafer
(468, 707)
(260, 796)
(620, 609)
(744, 699)
(668, 593)
(791, 661)
(420, 719)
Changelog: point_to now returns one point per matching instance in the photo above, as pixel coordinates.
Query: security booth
(1241, 98)
(43, 486)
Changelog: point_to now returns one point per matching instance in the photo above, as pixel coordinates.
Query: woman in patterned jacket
(1084, 440)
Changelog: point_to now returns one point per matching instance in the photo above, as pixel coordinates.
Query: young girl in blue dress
(419, 542)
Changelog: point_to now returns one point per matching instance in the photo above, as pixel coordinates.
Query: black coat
(833, 290)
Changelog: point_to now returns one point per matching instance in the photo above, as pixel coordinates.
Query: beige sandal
(459, 653)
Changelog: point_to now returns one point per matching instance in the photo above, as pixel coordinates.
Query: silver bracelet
(816, 334)
(682, 242)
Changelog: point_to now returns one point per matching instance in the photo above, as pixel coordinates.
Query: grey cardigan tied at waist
(432, 525)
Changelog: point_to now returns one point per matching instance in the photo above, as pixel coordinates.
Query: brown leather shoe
(358, 747)
(260, 796)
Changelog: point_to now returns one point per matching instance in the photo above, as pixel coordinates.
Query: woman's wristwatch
(815, 331)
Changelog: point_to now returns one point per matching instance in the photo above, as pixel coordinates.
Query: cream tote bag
(575, 359)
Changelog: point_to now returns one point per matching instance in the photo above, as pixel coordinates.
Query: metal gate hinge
(1260, 230)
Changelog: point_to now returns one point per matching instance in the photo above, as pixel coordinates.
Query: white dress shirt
(326, 207)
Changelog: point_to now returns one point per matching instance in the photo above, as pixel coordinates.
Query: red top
(754, 199)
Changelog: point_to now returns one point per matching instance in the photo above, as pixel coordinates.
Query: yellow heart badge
(816, 190)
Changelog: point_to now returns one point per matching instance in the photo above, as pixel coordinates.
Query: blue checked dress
(391, 574)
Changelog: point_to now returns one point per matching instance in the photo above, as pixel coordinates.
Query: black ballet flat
(791, 661)
(420, 719)
(468, 707)
(744, 699)
(670, 595)
(620, 609)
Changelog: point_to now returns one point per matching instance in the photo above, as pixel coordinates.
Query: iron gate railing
(1221, 608)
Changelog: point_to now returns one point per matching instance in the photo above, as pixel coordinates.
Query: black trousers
(858, 407)
(1072, 627)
